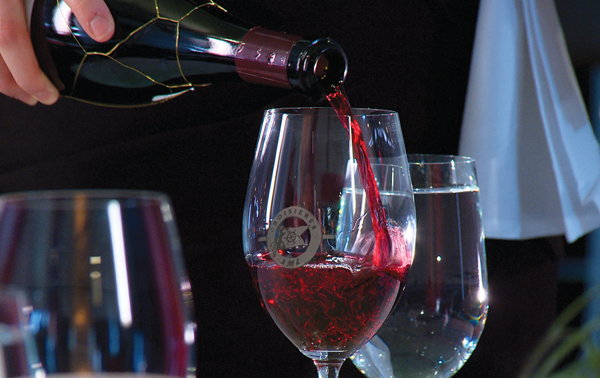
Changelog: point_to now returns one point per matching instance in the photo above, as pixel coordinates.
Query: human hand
(20, 74)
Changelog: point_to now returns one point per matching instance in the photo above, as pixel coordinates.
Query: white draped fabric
(525, 123)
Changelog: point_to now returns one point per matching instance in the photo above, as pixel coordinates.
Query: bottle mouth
(330, 70)
(316, 67)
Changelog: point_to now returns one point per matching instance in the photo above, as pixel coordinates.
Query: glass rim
(428, 159)
(309, 110)
(88, 194)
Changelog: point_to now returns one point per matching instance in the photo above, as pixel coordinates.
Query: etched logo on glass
(293, 237)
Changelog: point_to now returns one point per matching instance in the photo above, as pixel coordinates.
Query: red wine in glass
(325, 306)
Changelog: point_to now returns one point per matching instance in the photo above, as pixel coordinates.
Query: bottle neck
(262, 57)
(311, 66)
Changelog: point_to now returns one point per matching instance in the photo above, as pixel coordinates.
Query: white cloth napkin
(374, 360)
(525, 123)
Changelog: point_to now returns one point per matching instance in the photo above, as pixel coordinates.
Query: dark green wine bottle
(163, 48)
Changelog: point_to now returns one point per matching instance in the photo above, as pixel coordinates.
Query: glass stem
(328, 369)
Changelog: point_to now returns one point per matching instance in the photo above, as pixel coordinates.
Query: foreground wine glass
(18, 355)
(105, 276)
(436, 325)
(327, 264)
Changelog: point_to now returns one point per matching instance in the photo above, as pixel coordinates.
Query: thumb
(95, 18)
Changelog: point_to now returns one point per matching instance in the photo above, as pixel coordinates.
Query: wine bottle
(163, 48)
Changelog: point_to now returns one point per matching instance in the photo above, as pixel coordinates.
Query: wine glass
(329, 227)
(18, 355)
(436, 325)
(104, 273)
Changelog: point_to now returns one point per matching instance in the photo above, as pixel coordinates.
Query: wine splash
(339, 102)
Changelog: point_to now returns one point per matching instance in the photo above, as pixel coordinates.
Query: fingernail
(100, 27)
(46, 97)
(27, 99)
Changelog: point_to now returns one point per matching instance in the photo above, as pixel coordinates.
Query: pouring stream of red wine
(339, 102)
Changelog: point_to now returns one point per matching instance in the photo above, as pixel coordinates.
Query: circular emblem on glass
(293, 237)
